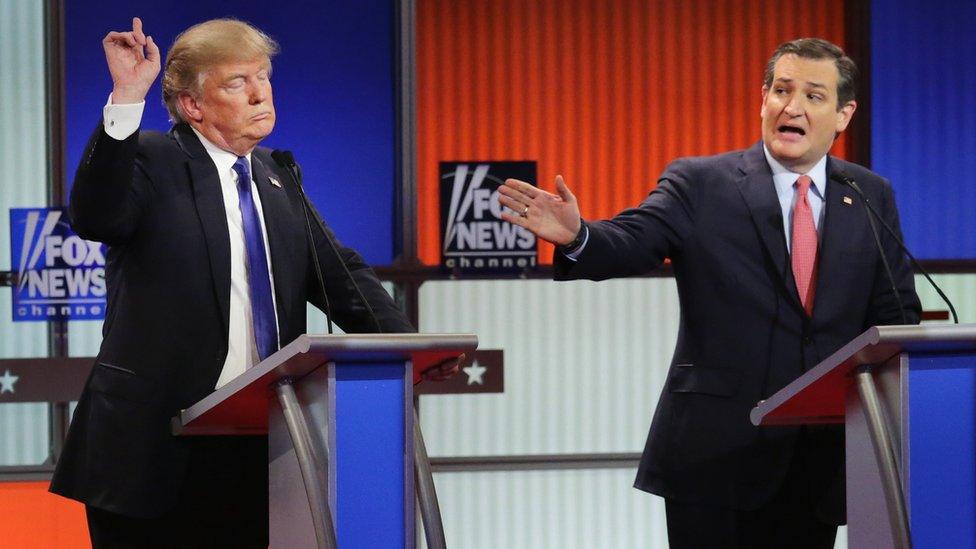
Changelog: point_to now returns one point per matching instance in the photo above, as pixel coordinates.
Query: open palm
(555, 218)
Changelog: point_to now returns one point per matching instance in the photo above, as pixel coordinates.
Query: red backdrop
(604, 92)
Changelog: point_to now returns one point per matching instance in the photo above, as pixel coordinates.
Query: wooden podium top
(818, 396)
(241, 406)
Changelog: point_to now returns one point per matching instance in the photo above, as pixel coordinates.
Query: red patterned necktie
(804, 245)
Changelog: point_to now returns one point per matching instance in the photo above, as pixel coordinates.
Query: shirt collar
(224, 160)
(784, 176)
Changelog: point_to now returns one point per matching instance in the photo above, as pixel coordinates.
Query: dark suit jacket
(156, 201)
(743, 334)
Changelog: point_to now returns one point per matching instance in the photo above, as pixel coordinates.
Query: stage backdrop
(333, 91)
(604, 92)
(923, 133)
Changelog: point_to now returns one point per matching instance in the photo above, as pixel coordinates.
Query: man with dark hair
(816, 48)
(776, 269)
(210, 267)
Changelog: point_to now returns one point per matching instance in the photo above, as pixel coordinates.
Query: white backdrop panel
(570, 509)
(23, 155)
(584, 363)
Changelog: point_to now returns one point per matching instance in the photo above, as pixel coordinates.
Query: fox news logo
(475, 237)
(60, 276)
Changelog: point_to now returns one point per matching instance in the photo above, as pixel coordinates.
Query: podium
(338, 413)
(907, 398)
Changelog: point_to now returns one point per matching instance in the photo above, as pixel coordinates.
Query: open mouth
(791, 130)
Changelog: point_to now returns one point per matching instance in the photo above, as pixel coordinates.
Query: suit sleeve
(357, 300)
(110, 190)
(884, 307)
(638, 239)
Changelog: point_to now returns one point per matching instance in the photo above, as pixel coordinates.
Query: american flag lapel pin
(847, 200)
(275, 182)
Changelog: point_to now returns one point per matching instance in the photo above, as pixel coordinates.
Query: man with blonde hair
(211, 261)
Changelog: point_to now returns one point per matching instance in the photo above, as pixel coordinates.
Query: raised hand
(548, 216)
(133, 61)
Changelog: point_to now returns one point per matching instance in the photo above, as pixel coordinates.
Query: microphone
(286, 160)
(841, 177)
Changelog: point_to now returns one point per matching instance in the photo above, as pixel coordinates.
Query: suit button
(807, 340)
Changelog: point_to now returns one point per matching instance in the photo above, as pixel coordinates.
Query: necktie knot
(243, 170)
(803, 184)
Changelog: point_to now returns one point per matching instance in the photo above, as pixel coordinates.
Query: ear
(190, 107)
(845, 114)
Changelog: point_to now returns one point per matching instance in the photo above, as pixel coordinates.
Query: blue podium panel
(942, 449)
(372, 456)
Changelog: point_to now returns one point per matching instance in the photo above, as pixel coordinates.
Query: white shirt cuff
(574, 255)
(121, 121)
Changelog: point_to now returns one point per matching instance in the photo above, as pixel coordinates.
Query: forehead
(230, 69)
(803, 71)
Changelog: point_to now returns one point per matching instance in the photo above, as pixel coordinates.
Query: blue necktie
(262, 305)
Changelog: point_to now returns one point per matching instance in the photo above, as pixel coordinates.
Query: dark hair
(818, 48)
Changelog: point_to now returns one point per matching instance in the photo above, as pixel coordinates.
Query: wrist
(577, 241)
(126, 96)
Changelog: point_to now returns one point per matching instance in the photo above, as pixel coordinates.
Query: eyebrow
(785, 80)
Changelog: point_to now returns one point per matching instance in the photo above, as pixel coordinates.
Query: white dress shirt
(121, 121)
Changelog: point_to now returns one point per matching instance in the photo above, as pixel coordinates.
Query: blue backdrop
(923, 129)
(333, 89)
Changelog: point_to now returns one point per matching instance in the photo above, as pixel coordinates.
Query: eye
(815, 97)
(779, 90)
(234, 84)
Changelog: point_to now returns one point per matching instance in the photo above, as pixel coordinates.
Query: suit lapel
(839, 221)
(210, 210)
(757, 189)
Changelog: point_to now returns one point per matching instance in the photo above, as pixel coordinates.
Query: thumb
(563, 190)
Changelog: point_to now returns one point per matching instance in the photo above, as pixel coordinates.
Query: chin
(786, 153)
(262, 129)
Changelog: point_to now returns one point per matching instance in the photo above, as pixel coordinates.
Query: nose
(259, 92)
(794, 107)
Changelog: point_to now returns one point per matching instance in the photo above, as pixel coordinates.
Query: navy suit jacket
(155, 199)
(743, 334)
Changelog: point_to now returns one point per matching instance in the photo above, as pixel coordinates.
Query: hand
(550, 217)
(443, 371)
(133, 70)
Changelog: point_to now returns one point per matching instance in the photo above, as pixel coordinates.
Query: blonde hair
(203, 46)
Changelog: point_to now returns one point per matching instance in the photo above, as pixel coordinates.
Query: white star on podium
(7, 382)
(475, 373)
